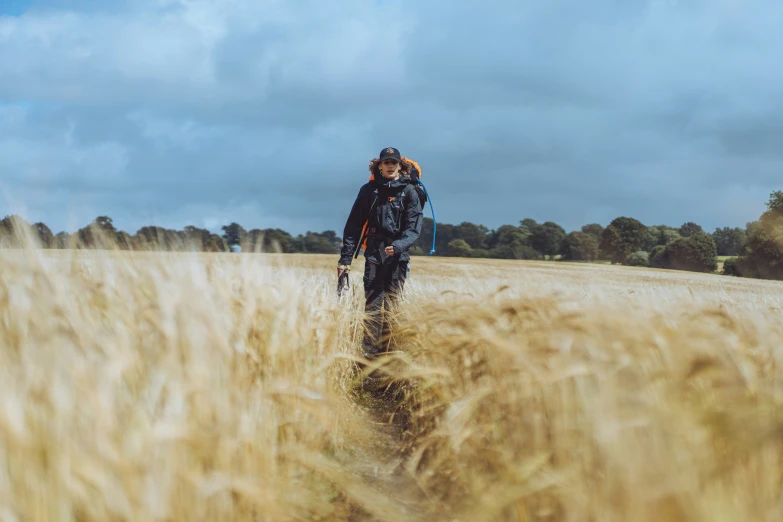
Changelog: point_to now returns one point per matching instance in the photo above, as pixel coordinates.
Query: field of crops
(175, 386)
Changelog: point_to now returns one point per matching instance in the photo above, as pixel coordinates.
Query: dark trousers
(383, 285)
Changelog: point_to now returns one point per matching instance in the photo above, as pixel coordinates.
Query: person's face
(390, 169)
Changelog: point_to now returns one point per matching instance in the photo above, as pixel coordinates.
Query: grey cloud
(567, 111)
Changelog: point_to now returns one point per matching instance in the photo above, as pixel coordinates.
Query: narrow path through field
(380, 461)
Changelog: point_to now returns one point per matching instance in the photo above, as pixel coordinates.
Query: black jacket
(396, 219)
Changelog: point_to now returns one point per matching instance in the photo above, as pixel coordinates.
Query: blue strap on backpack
(434, 223)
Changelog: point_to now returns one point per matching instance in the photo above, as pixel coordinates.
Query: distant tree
(660, 235)
(579, 246)
(276, 239)
(668, 234)
(44, 233)
(775, 202)
(424, 243)
(459, 248)
(510, 242)
(482, 252)
(215, 243)
(658, 257)
(547, 237)
(688, 229)
(593, 229)
(253, 241)
(315, 243)
(87, 237)
(514, 251)
(729, 240)
(696, 253)
(652, 238)
(446, 233)
(62, 240)
(105, 223)
(731, 267)
(752, 227)
(331, 236)
(124, 240)
(233, 234)
(508, 234)
(15, 231)
(156, 238)
(528, 223)
(622, 237)
(639, 258)
(100, 233)
(610, 246)
(195, 238)
(476, 236)
(762, 252)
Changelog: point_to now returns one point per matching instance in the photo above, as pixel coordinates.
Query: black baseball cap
(390, 153)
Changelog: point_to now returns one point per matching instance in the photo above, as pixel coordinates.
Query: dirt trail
(381, 463)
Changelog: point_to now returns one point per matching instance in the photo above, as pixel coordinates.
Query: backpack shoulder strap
(409, 189)
(420, 192)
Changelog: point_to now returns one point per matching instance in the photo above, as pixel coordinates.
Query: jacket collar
(399, 182)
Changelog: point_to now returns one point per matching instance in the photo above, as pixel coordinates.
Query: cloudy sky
(266, 112)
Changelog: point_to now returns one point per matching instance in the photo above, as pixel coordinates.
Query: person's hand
(389, 250)
(341, 269)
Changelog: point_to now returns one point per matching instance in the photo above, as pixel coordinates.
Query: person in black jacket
(388, 210)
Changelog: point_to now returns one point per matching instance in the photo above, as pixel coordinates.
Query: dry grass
(165, 386)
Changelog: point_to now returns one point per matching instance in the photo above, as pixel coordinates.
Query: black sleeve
(353, 227)
(412, 221)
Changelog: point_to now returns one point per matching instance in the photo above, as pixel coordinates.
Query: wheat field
(168, 386)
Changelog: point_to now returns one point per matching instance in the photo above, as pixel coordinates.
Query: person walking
(388, 216)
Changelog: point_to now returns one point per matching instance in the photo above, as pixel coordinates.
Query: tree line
(756, 249)
(617, 242)
(102, 234)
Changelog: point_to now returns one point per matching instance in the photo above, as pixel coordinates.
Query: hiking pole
(343, 283)
(434, 223)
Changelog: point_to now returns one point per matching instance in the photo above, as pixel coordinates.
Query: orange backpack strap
(364, 235)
